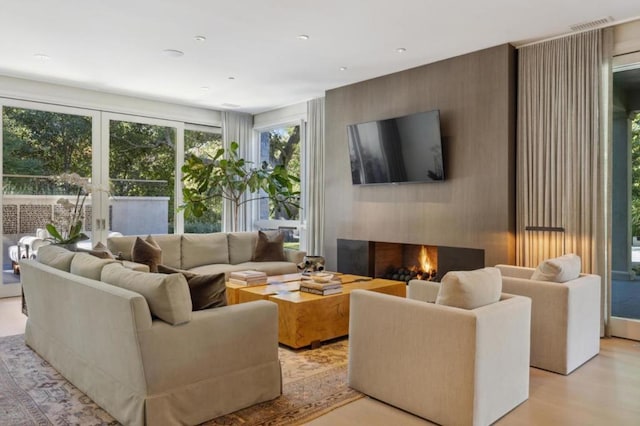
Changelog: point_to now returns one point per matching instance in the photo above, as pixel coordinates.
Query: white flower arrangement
(67, 228)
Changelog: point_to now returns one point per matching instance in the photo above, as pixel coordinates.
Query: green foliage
(45, 143)
(233, 178)
(284, 150)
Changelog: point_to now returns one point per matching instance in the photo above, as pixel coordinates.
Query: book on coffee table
(321, 292)
(322, 286)
(248, 278)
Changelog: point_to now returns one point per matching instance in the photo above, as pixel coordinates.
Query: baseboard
(625, 328)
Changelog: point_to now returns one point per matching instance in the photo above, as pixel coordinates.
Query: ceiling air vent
(591, 24)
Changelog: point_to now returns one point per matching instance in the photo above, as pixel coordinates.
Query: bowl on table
(321, 277)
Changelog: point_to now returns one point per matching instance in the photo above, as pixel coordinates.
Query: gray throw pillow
(270, 247)
(147, 252)
(207, 291)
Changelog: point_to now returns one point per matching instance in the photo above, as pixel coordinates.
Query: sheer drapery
(562, 154)
(236, 127)
(314, 189)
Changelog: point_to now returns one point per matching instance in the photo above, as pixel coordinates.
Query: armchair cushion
(560, 269)
(470, 289)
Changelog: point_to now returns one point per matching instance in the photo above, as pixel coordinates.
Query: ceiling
(252, 59)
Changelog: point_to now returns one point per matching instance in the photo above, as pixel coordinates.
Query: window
(204, 141)
(142, 163)
(281, 146)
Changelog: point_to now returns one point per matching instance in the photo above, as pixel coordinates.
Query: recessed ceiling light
(343, 68)
(42, 56)
(231, 78)
(173, 53)
(200, 38)
(303, 37)
(401, 50)
(204, 88)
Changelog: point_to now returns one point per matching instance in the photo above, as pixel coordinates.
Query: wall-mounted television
(397, 150)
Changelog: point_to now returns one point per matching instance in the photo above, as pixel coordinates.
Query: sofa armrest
(402, 350)
(215, 343)
(565, 320)
(295, 256)
(515, 271)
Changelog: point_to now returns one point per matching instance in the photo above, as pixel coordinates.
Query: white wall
(16, 88)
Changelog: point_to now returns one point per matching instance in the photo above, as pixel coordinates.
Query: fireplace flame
(423, 259)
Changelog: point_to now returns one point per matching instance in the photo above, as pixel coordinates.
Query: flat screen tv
(397, 150)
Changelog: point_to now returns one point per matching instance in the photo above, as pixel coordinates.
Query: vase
(69, 246)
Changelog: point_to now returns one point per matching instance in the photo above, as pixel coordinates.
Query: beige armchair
(565, 317)
(445, 364)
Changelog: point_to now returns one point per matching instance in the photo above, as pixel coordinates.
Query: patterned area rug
(33, 393)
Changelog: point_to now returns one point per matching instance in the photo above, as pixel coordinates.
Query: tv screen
(395, 150)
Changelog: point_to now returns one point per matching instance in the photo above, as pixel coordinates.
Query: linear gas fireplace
(402, 261)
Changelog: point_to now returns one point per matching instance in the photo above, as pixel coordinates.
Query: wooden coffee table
(308, 319)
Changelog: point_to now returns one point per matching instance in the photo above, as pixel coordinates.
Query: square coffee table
(308, 319)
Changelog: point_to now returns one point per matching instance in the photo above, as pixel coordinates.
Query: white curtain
(563, 153)
(236, 127)
(314, 189)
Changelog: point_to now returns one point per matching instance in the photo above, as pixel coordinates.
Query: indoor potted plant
(235, 179)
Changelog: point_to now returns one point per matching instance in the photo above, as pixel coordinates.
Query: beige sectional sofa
(211, 253)
(129, 340)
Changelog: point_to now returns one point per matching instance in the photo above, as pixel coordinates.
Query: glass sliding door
(142, 156)
(625, 285)
(47, 163)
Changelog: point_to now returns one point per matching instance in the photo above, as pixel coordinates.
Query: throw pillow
(147, 252)
(470, 289)
(99, 250)
(207, 291)
(270, 247)
(88, 266)
(167, 295)
(55, 256)
(560, 269)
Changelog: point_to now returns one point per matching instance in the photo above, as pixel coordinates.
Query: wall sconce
(536, 228)
(544, 228)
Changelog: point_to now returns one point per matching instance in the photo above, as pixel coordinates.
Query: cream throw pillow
(560, 269)
(470, 289)
(167, 295)
(88, 266)
(55, 256)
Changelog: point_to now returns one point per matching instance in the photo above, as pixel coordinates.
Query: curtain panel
(236, 127)
(315, 179)
(562, 153)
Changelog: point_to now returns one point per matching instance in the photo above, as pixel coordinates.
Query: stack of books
(323, 289)
(248, 278)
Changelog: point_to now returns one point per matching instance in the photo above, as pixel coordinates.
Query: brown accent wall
(475, 206)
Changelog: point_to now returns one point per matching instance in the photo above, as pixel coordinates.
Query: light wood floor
(604, 391)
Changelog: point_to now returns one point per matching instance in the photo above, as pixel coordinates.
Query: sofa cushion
(88, 266)
(56, 257)
(169, 243)
(470, 289)
(167, 295)
(269, 247)
(560, 269)
(204, 249)
(207, 291)
(241, 246)
(147, 252)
